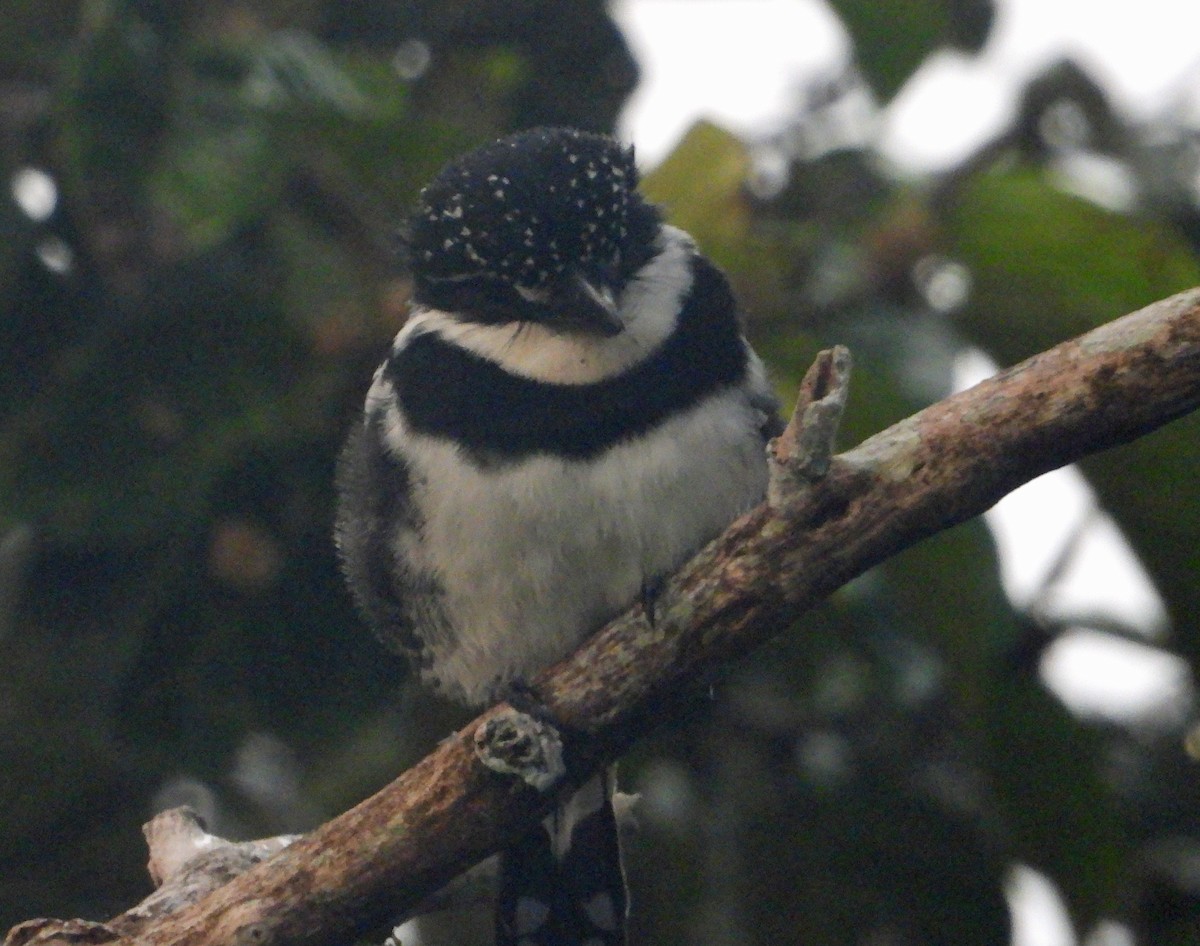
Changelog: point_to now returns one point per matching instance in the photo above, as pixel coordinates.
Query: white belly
(535, 556)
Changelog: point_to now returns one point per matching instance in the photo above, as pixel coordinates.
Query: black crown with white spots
(499, 230)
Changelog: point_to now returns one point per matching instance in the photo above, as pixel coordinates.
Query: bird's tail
(563, 883)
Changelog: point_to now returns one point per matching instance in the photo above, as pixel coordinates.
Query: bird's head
(544, 226)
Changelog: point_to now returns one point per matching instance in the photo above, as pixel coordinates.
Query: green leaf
(891, 39)
(701, 186)
(1047, 265)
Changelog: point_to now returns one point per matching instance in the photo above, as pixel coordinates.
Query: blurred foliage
(892, 39)
(1021, 238)
(189, 315)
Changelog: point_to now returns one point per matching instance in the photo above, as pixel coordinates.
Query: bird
(569, 413)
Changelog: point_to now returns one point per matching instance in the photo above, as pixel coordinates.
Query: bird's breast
(536, 554)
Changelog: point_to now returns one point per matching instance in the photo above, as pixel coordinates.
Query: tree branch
(829, 519)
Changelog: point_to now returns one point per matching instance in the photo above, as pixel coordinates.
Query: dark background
(186, 336)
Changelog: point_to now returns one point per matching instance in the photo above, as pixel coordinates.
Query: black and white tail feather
(570, 412)
(564, 882)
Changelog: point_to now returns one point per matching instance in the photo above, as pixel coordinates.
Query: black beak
(588, 304)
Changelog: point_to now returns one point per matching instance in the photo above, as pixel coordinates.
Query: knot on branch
(186, 862)
(175, 837)
(514, 743)
(802, 454)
